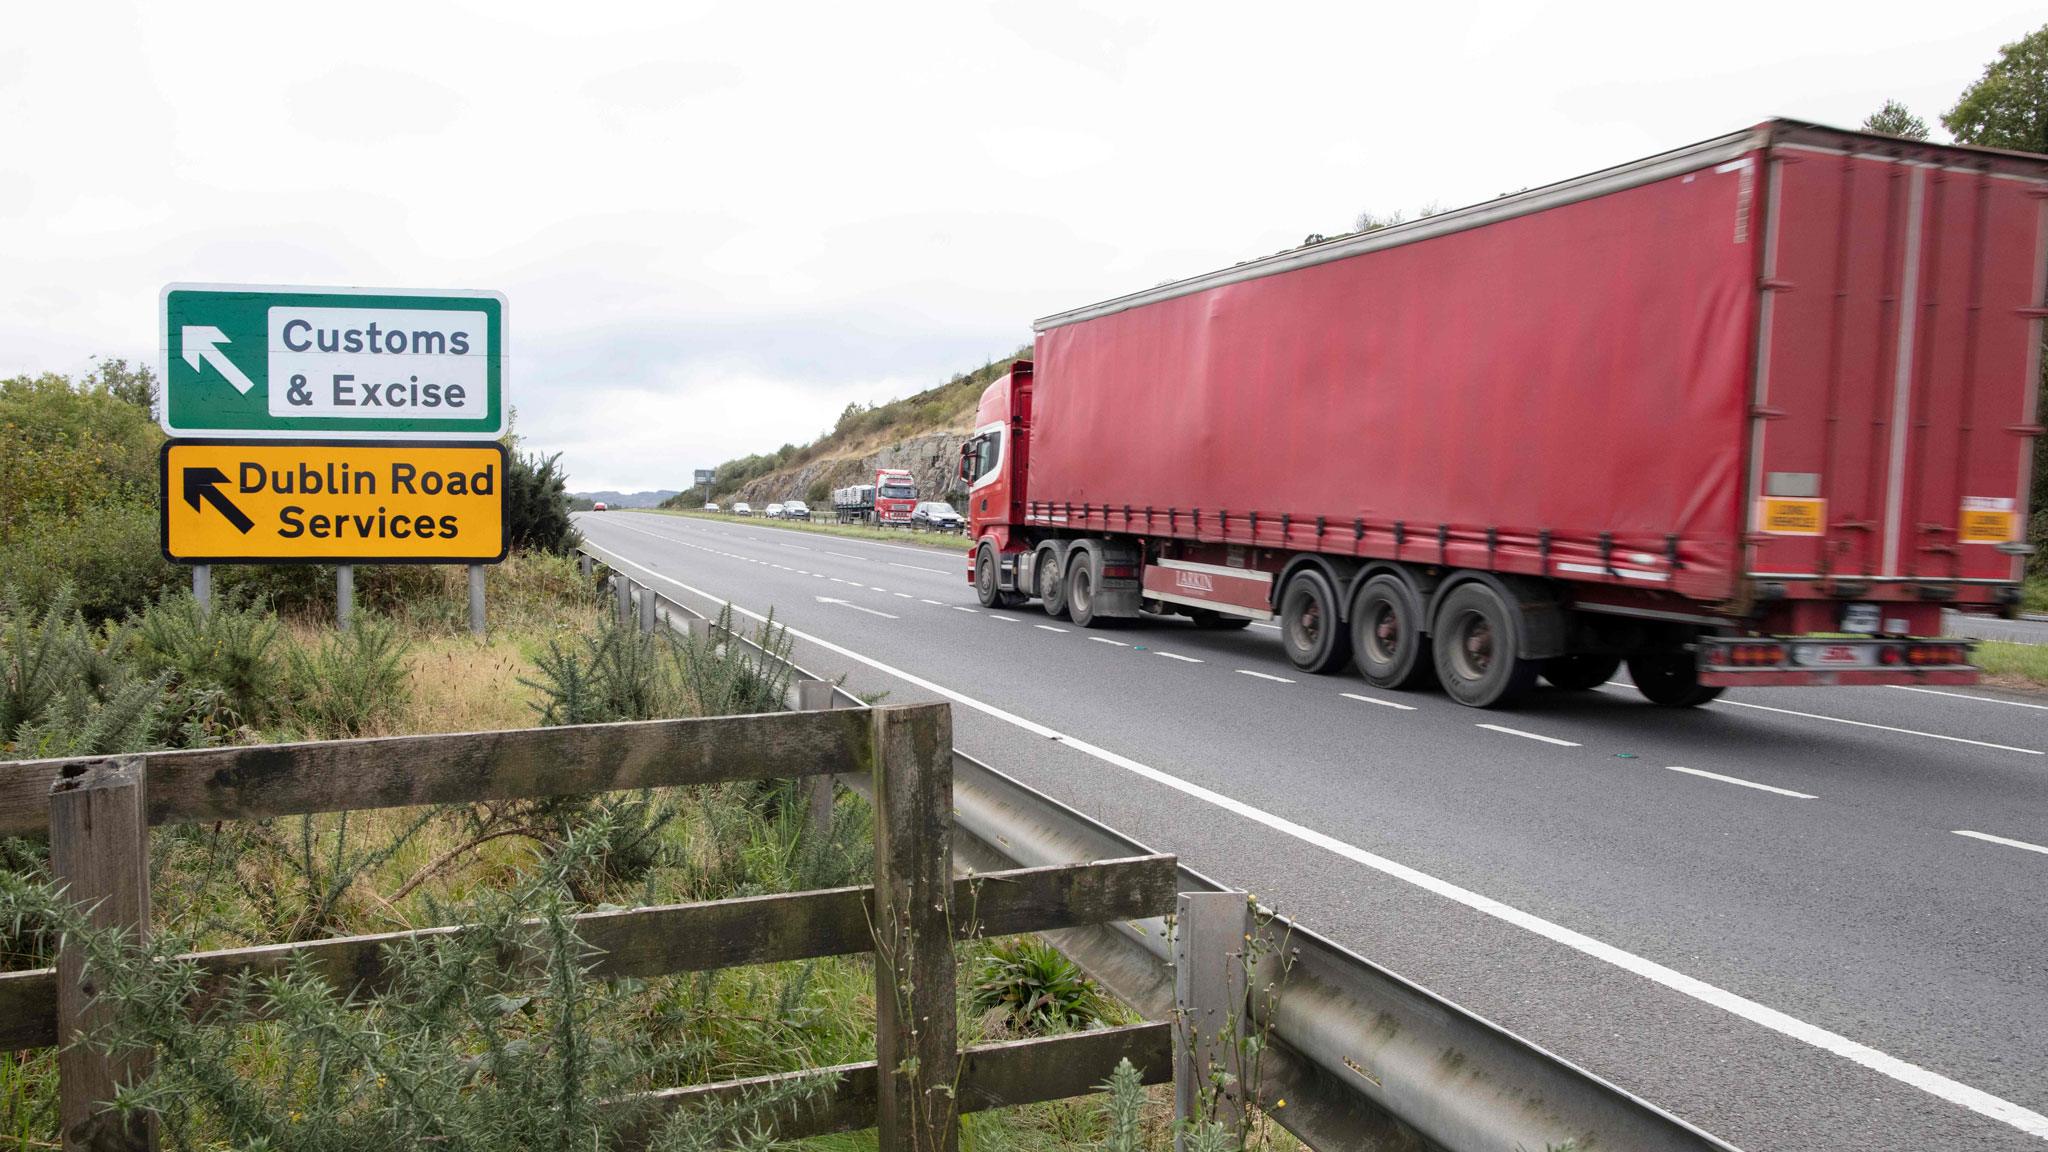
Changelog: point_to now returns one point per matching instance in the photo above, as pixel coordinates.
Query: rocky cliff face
(933, 459)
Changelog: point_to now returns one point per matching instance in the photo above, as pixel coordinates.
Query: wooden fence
(97, 814)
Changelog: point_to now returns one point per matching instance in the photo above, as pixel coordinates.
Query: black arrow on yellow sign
(204, 484)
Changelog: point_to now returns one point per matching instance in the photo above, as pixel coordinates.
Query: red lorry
(1751, 412)
(889, 500)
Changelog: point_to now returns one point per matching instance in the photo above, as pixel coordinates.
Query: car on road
(796, 510)
(742, 508)
(598, 507)
(936, 516)
(710, 507)
(773, 512)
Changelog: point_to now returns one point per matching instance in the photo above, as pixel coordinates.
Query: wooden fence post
(816, 696)
(1211, 945)
(917, 1050)
(99, 853)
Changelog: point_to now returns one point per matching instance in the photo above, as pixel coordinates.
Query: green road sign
(347, 363)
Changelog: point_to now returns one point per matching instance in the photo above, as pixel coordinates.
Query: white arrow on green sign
(336, 363)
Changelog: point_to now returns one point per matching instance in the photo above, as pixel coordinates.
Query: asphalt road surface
(1799, 918)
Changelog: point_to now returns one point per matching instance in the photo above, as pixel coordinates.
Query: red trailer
(1749, 412)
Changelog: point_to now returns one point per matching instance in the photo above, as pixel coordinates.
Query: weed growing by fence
(63, 689)
(1035, 989)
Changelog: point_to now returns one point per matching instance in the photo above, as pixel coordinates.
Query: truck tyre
(1476, 637)
(1080, 591)
(1579, 673)
(1671, 679)
(1052, 587)
(1217, 621)
(1388, 636)
(986, 588)
(1310, 628)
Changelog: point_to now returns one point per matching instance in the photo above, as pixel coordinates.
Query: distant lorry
(887, 501)
(1751, 412)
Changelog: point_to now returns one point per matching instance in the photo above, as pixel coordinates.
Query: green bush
(64, 691)
(354, 683)
(231, 649)
(537, 505)
(110, 555)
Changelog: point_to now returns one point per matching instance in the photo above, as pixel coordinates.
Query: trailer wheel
(1388, 636)
(1579, 673)
(1217, 621)
(1310, 628)
(1052, 590)
(1476, 638)
(1671, 679)
(986, 587)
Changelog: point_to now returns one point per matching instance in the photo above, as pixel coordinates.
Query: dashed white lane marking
(1107, 640)
(905, 596)
(1967, 696)
(1268, 627)
(1048, 628)
(1882, 727)
(1989, 838)
(969, 611)
(876, 588)
(1529, 735)
(843, 555)
(1002, 619)
(916, 568)
(1743, 783)
(1905, 1072)
(1178, 656)
(934, 603)
(1264, 676)
(856, 607)
(1377, 700)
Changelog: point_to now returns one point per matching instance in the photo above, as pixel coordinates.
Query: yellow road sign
(314, 502)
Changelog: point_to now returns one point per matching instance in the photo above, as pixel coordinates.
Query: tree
(2008, 106)
(537, 504)
(1895, 119)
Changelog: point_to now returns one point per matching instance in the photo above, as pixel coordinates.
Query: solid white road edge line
(1881, 727)
(1264, 676)
(1933, 1083)
(1986, 836)
(1528, 735)
(1967, 696)
(1744, 783)
(1381, 703)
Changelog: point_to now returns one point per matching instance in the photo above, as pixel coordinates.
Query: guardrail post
(646, 610)
(99, 853)
(916, 1036)
(1211, 939)
(583, 564)
(202, 587)
(476, 600)
(625, 591)
(344, 595)
(816, 696)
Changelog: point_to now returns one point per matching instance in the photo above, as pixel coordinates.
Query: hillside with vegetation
(921, 432)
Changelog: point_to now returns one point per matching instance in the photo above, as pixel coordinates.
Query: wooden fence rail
(97, 814)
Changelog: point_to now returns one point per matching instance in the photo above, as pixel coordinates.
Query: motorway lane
(1859, 911)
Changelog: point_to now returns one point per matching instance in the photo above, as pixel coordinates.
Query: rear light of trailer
(1890, 654)
(1119, 571)
(1750, 655)
(1925, 654)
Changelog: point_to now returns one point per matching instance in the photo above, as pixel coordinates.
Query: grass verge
(2013, 665)
(936, 541)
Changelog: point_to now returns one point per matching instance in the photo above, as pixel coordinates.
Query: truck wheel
(1310, 630)
(1476, 638)
(1052, 591)
(1671, 679)
(1387, 635)
(1579, 673)
(1080, 589)
(1217, 621)
(986, 588)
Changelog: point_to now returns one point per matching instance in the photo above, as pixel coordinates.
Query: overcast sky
(719, 224)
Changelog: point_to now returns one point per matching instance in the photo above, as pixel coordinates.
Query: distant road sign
(705, 476)
(315, 502)
(337, 363)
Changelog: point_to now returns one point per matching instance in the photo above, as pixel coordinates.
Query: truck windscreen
(899, 492)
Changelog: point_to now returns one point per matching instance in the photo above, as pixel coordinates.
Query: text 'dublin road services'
(275, 501)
